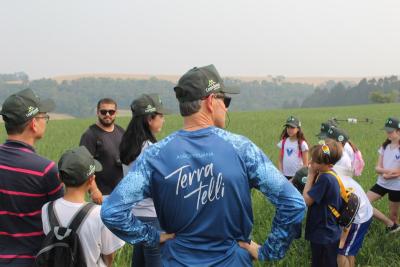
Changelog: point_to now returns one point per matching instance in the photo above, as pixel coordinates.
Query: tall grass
(263, 128)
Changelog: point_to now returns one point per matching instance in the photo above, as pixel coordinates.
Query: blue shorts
(355, 239)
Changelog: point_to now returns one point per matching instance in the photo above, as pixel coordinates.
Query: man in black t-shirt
(102, 139)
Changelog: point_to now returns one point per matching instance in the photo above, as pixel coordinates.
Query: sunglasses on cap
(104, 112)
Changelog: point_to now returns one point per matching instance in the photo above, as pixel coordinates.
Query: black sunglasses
(226, 99)
(105, 111)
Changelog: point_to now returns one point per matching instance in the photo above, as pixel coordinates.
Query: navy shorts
(394, 195)
(355, 239)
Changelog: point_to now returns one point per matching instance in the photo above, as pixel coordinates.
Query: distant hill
(314, 80)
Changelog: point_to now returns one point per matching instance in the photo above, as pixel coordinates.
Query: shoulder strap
(342, 188)
(300, 142)
(53, 221)
(283, 147)
(343, 194)
(80, 216)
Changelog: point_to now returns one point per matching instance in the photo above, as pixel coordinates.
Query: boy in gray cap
(77, 169)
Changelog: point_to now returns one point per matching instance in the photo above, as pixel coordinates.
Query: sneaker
(393, 229)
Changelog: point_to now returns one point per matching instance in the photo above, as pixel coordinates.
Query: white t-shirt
(291, 162)
(144, 208)
(94, 236)
(391, 160)
(343, 168)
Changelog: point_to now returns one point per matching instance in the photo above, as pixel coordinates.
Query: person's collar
(19, 144)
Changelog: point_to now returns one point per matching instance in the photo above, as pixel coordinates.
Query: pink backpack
(358, 163)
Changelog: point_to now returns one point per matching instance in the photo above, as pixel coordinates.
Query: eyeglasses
(226, 99)
(104, 112)
(46, 117)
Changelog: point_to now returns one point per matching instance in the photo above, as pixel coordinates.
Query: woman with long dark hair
(147, 120)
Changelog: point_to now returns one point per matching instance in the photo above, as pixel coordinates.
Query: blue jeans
(147, 256)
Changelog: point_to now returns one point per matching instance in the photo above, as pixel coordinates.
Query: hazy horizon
(242, 38)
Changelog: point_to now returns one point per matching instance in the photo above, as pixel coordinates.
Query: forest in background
(79, 97)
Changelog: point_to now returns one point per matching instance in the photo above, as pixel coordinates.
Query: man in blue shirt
(200, 179)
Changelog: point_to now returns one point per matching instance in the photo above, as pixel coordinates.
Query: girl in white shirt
(388, 170)
(293, 148)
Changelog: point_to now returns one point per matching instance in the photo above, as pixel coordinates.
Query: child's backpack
(62, 247)
(358, 163)
(351, 203)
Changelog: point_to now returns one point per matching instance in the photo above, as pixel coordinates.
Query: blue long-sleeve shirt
(200, 183)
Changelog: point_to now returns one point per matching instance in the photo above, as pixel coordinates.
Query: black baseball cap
(148, 104)
(200, 82)
(337, 134)
(293, 122)
(77, 165)
(23, 106)
(391, 124)
(325, 126)
(300, 179)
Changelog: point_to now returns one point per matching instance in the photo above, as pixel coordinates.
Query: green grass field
(264, 128)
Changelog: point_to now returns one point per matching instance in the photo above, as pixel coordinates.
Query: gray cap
(198, 83)
(77, 165)
(23, 106)
(148, 104)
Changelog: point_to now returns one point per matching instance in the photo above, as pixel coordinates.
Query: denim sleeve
(116, 211)
(289, 204)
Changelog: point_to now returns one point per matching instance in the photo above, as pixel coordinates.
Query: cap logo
(31, 111)
(304, 179)
(390, 121)
(340, 138)
(91, 170)
(212, 86)
(149, 109)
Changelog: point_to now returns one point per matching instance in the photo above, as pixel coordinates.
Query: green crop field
(263, 128)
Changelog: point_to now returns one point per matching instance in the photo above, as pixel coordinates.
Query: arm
(116, 211)
(310, 181)
(379, 166)
(95, 193)
(108, 259)
(280, 157)
(289, 204)
(52, 184)
(89, 141)
(305, 158)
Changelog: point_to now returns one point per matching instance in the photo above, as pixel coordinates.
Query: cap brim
(321, 135)
(47, 105)
(231, 90)
(98, 166)
(164, 111)
(389, 129)
(291, 125)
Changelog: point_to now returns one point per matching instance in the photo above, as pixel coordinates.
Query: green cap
(198, 83)
(292, 122)
(325, 126)
(148, 104)
(337, 134)
(77, 165)
(391, 124)
(23, 106)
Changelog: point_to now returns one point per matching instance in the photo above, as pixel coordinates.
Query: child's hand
(164, 237)
(252, 248)
(390, 174)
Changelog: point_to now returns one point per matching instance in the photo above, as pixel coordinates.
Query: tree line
(79, 97)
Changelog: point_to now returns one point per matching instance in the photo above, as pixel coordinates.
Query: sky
(293, 38)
